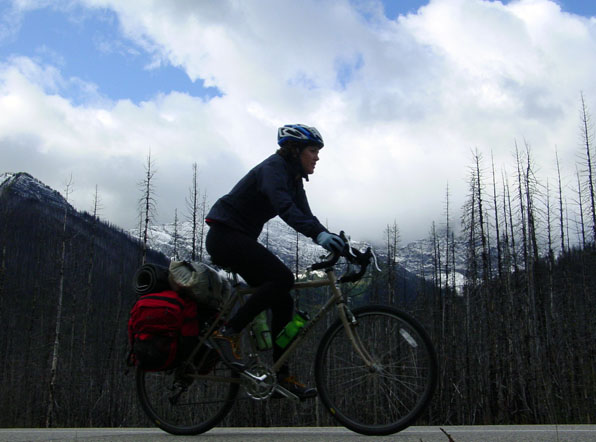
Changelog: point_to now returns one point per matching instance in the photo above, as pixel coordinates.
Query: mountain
(416, 259)
(65, 294)
(30, 188)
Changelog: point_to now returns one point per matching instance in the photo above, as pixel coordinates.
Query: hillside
(84, 294)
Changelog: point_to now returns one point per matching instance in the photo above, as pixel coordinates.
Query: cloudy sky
(402, 92)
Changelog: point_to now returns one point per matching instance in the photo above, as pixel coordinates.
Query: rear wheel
(187, 403)
(390, 395)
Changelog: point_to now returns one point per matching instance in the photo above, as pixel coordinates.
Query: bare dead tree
(522, 206)
(192, 206)
(549, 234)
(581, 225)
(436, 255)
(89, 286)
(203, 209)
(567, 226)
(438, 302)
(392, 238)
(587, 132)
(481, 222)
(511, 225)
(57, 336)
(447, 238)
(395, 238)
(175, 236)
(530, 185)
(469, 226)
(506, 249)
(561, 219)
(147, 203)
(496, 213)
(453, 281)
(551, 259)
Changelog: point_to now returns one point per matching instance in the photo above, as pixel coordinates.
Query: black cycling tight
(259, 268)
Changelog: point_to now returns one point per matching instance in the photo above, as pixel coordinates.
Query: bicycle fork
(349, 321)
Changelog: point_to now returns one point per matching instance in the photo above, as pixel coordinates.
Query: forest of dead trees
(516, 341)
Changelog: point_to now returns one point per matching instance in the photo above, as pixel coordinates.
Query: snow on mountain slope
(28, 187)
(416, 257)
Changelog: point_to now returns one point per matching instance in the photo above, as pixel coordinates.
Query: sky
(402, 92)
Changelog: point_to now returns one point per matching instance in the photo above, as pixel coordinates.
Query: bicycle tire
(199, 407)
(392, 395)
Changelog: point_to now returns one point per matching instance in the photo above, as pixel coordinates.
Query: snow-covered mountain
(416, 257)
(28, 187)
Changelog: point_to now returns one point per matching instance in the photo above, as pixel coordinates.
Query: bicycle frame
(336, 298)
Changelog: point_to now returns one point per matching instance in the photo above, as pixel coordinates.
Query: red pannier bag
(155, 326)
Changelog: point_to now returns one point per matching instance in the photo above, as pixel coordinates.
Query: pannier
(164, 322)
(156, 323)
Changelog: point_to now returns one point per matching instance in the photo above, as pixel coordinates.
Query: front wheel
(187, 403)
(387, 396)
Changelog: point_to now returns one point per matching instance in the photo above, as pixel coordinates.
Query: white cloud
(105, 145)
(400, 103)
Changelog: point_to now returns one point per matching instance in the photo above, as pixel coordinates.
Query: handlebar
(352, 255)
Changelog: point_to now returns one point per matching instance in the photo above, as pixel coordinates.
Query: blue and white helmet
(306, 135)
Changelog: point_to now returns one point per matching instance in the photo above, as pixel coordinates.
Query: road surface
(527, 433)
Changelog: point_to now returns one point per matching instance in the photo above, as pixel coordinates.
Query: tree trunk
(497, 232)
(147, 203)
(587, 139)
(56, 345)
(561, 219)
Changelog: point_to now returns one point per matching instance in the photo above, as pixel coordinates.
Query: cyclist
(273, 187)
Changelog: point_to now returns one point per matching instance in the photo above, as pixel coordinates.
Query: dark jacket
(273, 187)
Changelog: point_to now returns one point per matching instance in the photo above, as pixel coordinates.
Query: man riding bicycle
(273, 187)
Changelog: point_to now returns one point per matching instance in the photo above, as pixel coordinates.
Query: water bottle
(291, 329)
(260, 328)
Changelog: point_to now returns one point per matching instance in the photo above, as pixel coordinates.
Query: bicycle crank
(259, 382)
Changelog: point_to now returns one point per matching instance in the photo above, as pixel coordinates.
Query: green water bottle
(291, 329)
(260, 328)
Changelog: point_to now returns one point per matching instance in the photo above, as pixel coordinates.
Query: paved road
(530, 433)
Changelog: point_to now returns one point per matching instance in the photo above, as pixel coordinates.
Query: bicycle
(374, 351)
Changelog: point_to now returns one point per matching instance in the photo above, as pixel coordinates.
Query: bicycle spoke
(352, 383)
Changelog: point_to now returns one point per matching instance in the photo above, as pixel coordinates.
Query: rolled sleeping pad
(151, 278)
